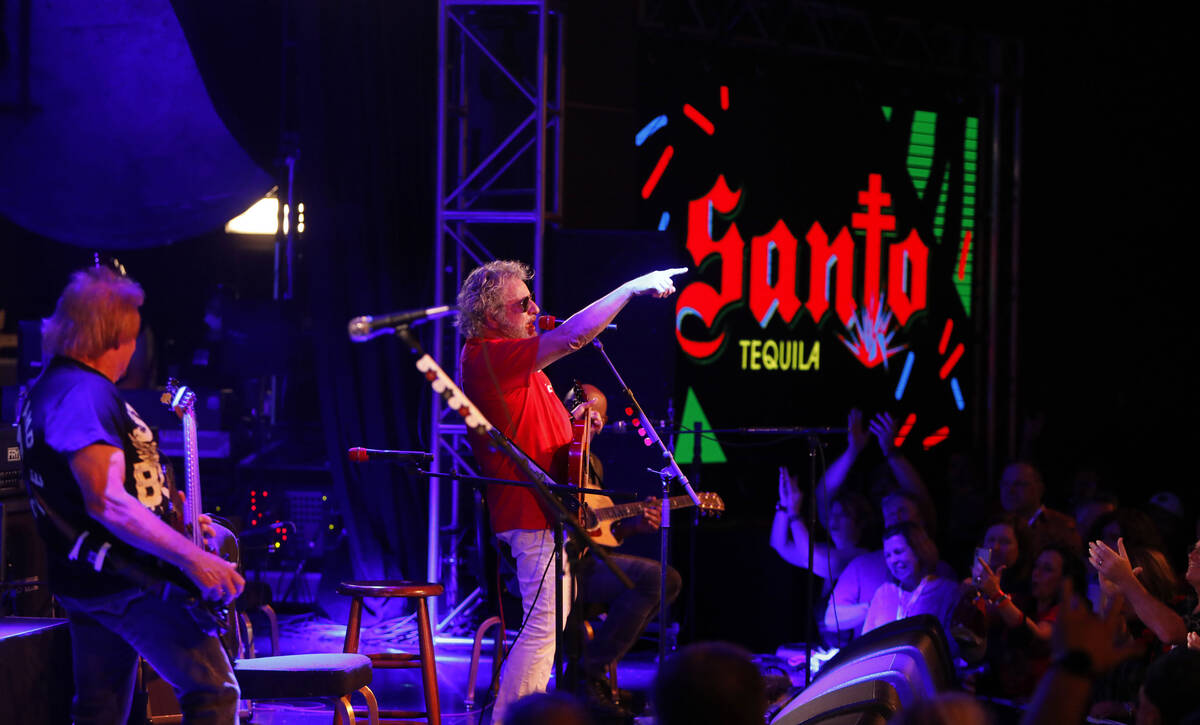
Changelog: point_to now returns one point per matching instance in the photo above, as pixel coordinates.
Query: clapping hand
(1112, 565)
(790, 495)
(884, 428)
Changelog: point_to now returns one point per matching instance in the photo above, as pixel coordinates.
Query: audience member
(849, 514)
(908, 501)
(1142, 582)
(1009, 558)
(864, 574)
(1021, 493)
(709, 683)
(915, 587)
(1018, 649)
(1119, 576)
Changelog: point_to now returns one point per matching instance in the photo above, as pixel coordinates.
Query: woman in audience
(1020, 654)
(915, 587)
(1008, 555)
(849, 514)
(1154, 617)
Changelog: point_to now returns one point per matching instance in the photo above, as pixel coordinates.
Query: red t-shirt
(498, 376)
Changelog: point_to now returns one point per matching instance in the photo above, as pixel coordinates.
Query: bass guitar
(182, 400)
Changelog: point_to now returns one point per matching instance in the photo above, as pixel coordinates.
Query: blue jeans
(629, 610)
(109, 632)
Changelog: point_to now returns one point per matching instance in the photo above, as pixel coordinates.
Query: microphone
(408, 458)
(366, 327)
(549, 322)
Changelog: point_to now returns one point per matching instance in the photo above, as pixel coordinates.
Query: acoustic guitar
(597, 512)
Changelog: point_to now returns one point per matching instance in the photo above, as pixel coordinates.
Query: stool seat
(302, 676)
(390, 589)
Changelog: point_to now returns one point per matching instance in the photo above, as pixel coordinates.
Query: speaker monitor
(911, 657)
(872, 702)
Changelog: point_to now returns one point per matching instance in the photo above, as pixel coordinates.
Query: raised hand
(790, 495)
(856, 435)
(655, 284)
(1112, 565)
(884, 428)
(989, 581)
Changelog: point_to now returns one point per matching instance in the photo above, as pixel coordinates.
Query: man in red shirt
(501, 366)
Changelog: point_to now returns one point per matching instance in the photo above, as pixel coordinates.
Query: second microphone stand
(669, 474)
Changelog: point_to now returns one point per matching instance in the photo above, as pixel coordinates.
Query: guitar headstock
(711, 503)
(179, 398)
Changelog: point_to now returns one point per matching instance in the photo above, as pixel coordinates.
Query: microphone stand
(561, 488)
(475, 421)
(669, 473)
(812, 435)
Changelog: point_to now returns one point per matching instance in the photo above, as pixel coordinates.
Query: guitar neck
(625, 510)
(191, 459)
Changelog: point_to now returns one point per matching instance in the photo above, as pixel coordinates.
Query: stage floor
(401, 689)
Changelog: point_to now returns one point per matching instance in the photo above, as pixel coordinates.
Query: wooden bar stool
(419, 592)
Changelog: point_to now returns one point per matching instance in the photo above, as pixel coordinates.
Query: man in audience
(1021, 492)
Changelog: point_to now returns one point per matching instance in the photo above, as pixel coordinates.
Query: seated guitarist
(629, 610)
(92, 466)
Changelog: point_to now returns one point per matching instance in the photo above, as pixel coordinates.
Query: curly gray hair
(480, 293)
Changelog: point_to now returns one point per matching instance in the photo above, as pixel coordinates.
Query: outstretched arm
(789, 534)
(884, 428)
(836, 474)
(581, 327)
(1003, 606)
(1114, 566)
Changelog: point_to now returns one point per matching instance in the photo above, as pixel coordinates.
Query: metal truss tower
(499, 180)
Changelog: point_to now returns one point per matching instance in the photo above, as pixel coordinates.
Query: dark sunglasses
(525, 302)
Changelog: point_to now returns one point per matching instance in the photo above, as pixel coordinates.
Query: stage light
(263, 217)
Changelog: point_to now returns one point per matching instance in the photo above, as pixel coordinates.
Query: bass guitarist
(92, 468)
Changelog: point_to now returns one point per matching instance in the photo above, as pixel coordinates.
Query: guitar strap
(88, 550)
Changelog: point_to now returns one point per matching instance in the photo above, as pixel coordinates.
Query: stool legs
(352, 625)
(428, 664)
(433, 709)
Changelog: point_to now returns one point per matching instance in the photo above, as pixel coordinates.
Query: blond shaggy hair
(479, 297)
(97, 311)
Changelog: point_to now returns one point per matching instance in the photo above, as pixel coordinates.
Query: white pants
(527, 668)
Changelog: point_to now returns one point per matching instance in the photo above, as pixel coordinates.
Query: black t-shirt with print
(70, 407)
